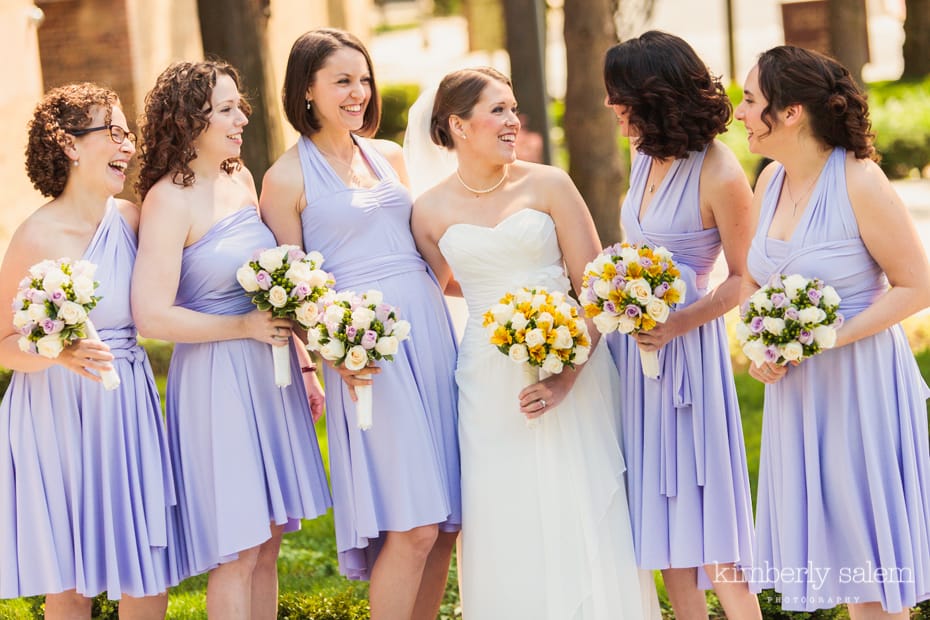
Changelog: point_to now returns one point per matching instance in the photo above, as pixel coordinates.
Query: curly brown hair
(457, 95)
(177, 110)
(836, 106)
(675, 104)
(62, 109)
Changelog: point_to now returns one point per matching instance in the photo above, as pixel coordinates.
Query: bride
(546, 530)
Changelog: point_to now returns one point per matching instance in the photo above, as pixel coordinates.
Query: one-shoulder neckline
(217, 223)
(497, 225)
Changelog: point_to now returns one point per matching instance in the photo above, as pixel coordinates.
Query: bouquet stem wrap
(110, 378)
(363, 404)
(534, 374)
(650, 363)
(282, 365)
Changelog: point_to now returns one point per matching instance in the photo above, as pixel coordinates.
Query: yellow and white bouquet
(789, 319)
(631, 288)
(355, 330)
(289, 283)
(51, 307)
(539, 329)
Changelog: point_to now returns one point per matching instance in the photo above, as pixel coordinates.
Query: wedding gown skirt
(546, 529)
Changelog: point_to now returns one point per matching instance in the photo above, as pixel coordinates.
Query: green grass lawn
(311, 586)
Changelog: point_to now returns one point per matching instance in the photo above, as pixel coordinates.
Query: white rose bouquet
(355, 330)
(541, 330)
(51, 306)
(789, 319)
(630, 288)
(289, 283)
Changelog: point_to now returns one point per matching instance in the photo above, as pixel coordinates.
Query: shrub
(396, 100)
(901, 121)
(341, 606)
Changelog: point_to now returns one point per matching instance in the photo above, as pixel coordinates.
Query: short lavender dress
(843, 512)
(403, 472)
(85, 477)
(245, 452)
(682, 435)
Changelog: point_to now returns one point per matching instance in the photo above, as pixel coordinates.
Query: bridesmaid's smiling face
(222, 138)
(341, 90)
(99, 155)
(749, 112)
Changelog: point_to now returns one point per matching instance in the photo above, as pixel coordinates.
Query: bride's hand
(540, 398)
(351, 377)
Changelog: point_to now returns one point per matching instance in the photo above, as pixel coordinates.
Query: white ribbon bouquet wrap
(51, 309)
(355, 330)
(289, 283)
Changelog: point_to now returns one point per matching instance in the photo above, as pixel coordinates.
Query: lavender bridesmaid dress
(85, 477)
(682, 436)
(404, 472)
(843, 511)
(245, 453)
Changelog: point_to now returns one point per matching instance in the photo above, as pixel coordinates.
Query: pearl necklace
(479, 192)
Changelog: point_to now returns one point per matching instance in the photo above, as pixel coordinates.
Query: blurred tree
(848, 23)
(916, 39)
(525, 35)
(236, 31)
(595, 163)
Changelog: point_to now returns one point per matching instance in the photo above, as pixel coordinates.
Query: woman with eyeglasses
(85, 486)
(245, 454)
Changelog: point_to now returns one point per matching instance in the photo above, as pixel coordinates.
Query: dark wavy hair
(836, 106)
(63, 109)
(675, 104)
(307, 57)
(457, 94)
(177, 110)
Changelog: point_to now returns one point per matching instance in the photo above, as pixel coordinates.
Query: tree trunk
(590, 127)
(849, 35)
(236, 31)
(525, 30)
(917, 39)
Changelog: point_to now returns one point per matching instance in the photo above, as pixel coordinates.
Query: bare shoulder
(765, 177)
(130, 212)
(285, 171)
(431, 211)
(721, 165)
(35, 238)
(390, 150)
(167, 199)
(863, 175)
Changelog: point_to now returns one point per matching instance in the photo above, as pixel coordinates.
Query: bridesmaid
(683, 439)
(843, 512)
(247, 464)
(85, 484)
(396, 486)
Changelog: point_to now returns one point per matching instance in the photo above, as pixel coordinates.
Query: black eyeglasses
(117, 133)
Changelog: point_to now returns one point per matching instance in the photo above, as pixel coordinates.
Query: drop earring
(77, 163)
(309, 104)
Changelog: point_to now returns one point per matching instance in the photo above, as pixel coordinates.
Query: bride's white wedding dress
(546, 530)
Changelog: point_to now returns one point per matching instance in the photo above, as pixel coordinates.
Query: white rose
(333, 350)
(545, 319)
(552, 364)
(401, 329)
(522, 296)
(298, 272)
(334, 314)
(277, 296)
(662, 253)
(565, 309)
(558, 298)
(830, 296)
(245, 275)
(598, 264)
(307, 314)
(518, 353)
(313, 338)
(83, 288)
(773, 325)
(639, 289)
(83, 268)
(356, 357)
(825, 336)
(605, 322)
(387, 345)
(372, 297)
(581, 355)
(518, 321)
(539, 299)
(271, 260)
(54, 279)
(657, 309)
(49, 346)
(71, 313)
(629, 255)
(37, 312)
(742, 331)
(793, 285)
(755, 351)
(317, 277)
(792, 351)
(346, 296)
(563, 338)
(315, 257)
(534, 338)
(625, 324)
(362, 318)
(812, 315)
(681, 288)
(601, 288)
(25, 345)
(502, 313)
(760, 301)
(491, 328)
(40, 269)
(21, 318)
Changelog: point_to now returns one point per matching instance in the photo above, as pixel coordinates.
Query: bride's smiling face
(492, 127)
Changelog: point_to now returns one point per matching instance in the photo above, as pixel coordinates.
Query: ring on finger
(542, 403)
